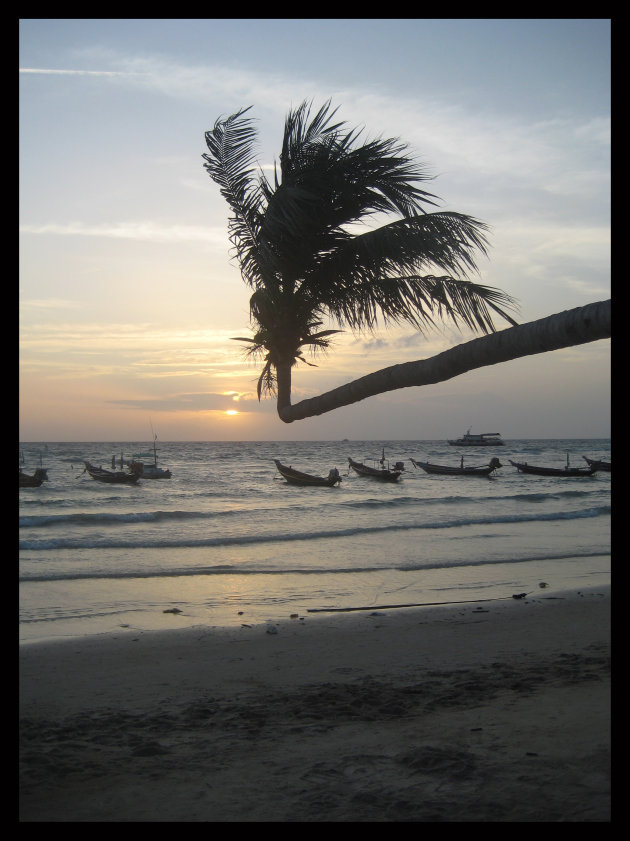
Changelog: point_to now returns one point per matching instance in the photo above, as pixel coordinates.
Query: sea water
(226, 541)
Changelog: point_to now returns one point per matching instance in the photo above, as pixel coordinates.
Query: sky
(130, 296)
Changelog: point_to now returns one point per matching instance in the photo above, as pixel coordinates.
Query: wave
(233, 569)
(457, 499)
(183, 541)
(34, 521)
(103, 517)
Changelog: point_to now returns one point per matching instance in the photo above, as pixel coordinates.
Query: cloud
(50, 304)
(199, 83)
(50, 72)
(146, 231)
(193, 402)
(485, 154)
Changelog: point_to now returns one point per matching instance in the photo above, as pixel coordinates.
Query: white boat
(148, 471)
(484, 439)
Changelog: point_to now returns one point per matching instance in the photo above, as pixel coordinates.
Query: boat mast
(154, 446)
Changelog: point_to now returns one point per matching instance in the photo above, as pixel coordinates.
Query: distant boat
(148, 471)
(381, 472)
(296, 477)
(110, 477)
(566, 471)
(604, 466)
(485, 439)
(458, 471)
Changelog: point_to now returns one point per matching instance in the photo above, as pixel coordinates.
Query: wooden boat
(148, 471)
(382, 472)
(485, 439)
(604, 466)
(118, 477)
(459, 471)
(35, 480)
(296, 477)
(523, 467)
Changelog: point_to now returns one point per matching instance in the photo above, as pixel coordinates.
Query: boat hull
(149, 471)
(483, 439)
(460, 442)
(27, 481)
(34, 481)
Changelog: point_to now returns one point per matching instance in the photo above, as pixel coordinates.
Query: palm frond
(378, 274)
(329, 181)
(230, 143)
(444, 240)
(420, 301)
(266, 381)
(230, 165)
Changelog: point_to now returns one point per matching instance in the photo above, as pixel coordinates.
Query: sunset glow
(130, 296)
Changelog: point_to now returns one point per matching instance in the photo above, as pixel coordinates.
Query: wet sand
(479, 712)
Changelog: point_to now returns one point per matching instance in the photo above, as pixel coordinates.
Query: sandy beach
(492, 711)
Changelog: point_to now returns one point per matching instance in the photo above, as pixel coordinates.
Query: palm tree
(305, 249)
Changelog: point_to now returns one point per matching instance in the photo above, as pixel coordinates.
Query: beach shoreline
(473, 712)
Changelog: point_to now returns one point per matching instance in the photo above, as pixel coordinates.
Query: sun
(231, 412)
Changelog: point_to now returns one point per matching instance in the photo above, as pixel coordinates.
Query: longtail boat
(566, 471)
(382, 472)
(604, 466)
(296, 477)
(33, 481)
(443, 470)
(110, 477)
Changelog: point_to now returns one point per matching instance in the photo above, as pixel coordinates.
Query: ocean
(227, 542)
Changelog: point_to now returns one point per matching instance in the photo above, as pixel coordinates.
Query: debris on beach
(172, 610)
(543, 584)
(519, 595)
(271, 629)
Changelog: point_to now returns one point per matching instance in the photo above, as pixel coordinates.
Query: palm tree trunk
(566, 329)
(283, 385)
